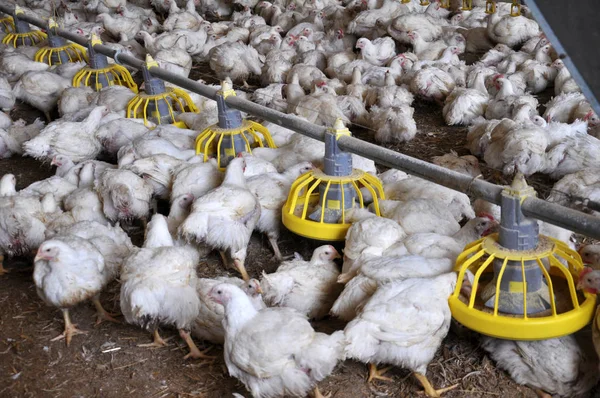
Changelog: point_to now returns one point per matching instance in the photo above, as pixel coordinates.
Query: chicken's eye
(219, 292)
(47, 250)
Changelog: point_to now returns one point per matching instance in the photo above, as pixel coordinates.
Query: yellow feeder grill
(424, 3)
(524, 293)
(22, 35)
(7, 24)
(99, 74)
(321, 213)
(232, 134)
(159, 104)
(467, 5)
(445, 4)
(59, 51)
(490, 7)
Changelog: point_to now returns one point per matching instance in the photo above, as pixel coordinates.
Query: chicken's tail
(361, 343)
(355, 294)
(275, 287)
(194, 227)
(323, 354)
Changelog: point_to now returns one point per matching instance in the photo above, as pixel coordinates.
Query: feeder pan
(232, 134)
(159, 104)
(59, 51)
(7, 25)
(524, 285)
(490, 7)
(22, 35)
(467, 5)
(99, 74)
(321, 213)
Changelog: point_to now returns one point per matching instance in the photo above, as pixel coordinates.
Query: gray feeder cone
(157, 111)
(98, 61)
(229, 119)
(518, 233)
(336, 163)
(56, 41)
(23, 27)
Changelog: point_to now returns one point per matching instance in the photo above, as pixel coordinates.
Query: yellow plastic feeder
(7, 25)
(99, 73)
(515, 8)
(22, 34)
(524, 284)
(159, 104)
(467, 5)
(318, 201)
(490, 6)
(59, 51)
(232, 134)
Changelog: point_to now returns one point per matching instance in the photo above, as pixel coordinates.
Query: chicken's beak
(259, 290)
(41, 256)
(54, 163)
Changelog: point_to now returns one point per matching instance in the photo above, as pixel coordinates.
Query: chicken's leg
(273, 241)
(317, 394)
(70, 329)
(239, 264)
(2, 269)
(101, 313)
(374, 373)
(194, 351)
(542, 393)
(224, 258)
(157, 343)
(429, 390)
(48, 117)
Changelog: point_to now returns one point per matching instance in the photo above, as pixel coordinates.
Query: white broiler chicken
(158, 286)
(393, 124)
(463, 105)
(274, 351)
(125, 196)
(403, 323)
(41, 90)
(310, 287)
(432, 84)
(574, 189)
(57, 186)
(196, 179)
(75, 140)
(13, 137)
(377, 270)
(225, 217)
(368, 233)
(377, 52)
(208, 325)
(272, 190)
(118, 133)
(564, 366)
(467, 164)
(158, 171)
(69, 270)
(511, 30)
(420, 215)
(235, 60)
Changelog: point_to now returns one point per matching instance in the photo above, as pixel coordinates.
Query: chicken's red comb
(584, 272)
(487, 215)
(321, 84)
(498, 76)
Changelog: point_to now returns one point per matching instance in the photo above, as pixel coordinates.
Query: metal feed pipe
(533, 207)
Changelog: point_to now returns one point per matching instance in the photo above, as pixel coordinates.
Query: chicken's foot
(157, 343)
(194, 351)
(240, 267)
(374, 373)
(2, 269)
(542, 393)
(70, 329)
(102, 314)
(317, 393)
(429, 390)
(273, 241)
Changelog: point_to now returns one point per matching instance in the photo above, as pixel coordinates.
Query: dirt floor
(108, 363)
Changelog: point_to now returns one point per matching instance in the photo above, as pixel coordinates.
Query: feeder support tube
(517, 232)
(229, 118)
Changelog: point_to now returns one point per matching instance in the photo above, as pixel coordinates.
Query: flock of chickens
(397, 269)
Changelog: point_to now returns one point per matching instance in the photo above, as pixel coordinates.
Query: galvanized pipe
(540, 209)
